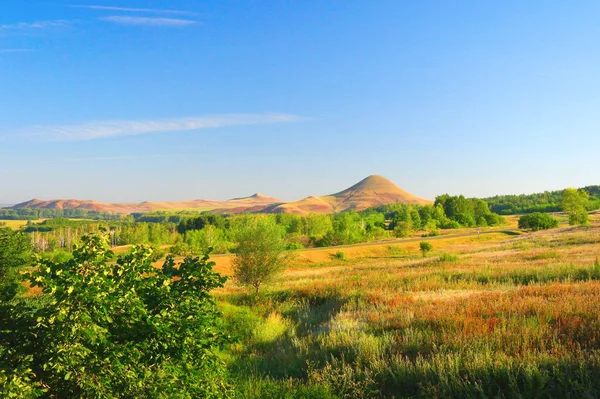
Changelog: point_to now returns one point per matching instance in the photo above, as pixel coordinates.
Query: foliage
(119, 330)
(339, 255)
(445, 257)
(210, 237)
(15, 252)
(260, 254)
(548, 201)
(34, 213)
(505, 320)
(575, 203)
(537, 221)
(425, 247)
(191, 233)
(402, 229)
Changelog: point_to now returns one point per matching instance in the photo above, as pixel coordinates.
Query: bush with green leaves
(339, 255)
(15, 252)
(117, 330)
(425, 247)
(537, 221)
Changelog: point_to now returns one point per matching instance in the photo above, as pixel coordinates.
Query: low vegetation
(537, 221)
(490, 316)
(114, 330)
(502, 314)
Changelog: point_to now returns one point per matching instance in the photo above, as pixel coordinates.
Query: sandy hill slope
(253, 201)
(372, 191)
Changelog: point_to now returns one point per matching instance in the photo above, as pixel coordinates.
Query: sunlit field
(17, 224)
(503, 314)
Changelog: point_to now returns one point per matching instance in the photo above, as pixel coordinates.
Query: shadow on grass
(287, 355)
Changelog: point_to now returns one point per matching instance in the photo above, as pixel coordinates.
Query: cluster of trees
(447, 212)
(548, 201)
(196, 234)
(109, 330)
(34, 214)
(575, 203)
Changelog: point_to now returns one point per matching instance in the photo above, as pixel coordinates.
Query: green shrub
(294, 246)
(448, 258)
(425, 247)
(339, 255)
(432, 233)
(537, 221)
(125, 330)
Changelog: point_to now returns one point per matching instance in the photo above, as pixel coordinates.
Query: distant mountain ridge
(372, 191)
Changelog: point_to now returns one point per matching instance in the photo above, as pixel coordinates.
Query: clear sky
(132, 100)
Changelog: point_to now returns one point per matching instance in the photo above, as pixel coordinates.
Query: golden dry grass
(391, 323)
(17, 224)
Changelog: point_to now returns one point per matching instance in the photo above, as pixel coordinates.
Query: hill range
(372, 191)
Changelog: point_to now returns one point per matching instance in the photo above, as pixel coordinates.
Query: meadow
(17, 224)
(495, 315)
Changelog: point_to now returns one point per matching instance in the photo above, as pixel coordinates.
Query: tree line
(34, 214)
(188, 234)
(548, 201)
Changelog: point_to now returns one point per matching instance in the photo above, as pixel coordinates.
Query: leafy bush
(339, 255)
(425, 247)
(432, 233)
(537, 221)
(124, 330)
(294, 246)
(403, 229)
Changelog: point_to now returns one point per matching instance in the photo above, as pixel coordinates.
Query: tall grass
(512, 322)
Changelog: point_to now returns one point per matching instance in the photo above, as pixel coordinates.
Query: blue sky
(160, 100)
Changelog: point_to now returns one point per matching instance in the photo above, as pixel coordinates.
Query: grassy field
(498, 315)
(17, 224)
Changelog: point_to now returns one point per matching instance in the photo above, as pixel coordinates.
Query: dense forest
(548, 201)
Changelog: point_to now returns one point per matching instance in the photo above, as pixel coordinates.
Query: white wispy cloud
(107, 129)
(113, 158)
(148, 21)
(128, 9)
(39, 25)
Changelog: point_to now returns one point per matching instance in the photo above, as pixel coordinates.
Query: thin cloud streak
(108, 129)
(20, 26)
(127, 9)
(118, 158)
(147, 21)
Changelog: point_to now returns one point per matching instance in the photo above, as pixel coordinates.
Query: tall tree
(575, 203)
(260, 254)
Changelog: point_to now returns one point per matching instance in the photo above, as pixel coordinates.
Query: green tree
(15, 252)
(537, 221)
(425, 247)
(124, 330)
(260, 254)
(575, 203)
(403, 229)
